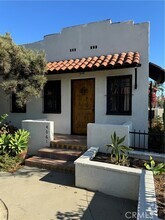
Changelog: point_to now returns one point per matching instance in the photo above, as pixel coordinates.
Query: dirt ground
(160, 194)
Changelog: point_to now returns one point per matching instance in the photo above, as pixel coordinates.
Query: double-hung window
(119, 95)
(52, 97)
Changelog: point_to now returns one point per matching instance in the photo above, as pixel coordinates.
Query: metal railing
(151, 142)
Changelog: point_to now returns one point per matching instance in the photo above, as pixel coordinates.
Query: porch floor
(70, 139)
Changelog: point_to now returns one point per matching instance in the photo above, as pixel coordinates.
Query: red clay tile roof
(121, 60)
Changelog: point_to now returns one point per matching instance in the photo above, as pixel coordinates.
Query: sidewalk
(3, 211)
(36, 194)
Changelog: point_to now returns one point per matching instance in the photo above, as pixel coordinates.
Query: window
(15, 107)
(119, 95)
(52, 97)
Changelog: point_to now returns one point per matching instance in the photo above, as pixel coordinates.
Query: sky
(28, 21)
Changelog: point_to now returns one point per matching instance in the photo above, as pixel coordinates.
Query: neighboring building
(97, 72)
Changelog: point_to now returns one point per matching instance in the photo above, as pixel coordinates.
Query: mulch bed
(160, 194)
(158, 179)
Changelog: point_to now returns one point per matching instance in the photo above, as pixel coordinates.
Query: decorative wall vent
(93, 47)
(72, 49)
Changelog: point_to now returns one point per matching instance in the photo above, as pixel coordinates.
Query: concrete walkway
(3, 211)
(36, 194)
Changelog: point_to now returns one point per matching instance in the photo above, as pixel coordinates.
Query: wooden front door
(83, 104)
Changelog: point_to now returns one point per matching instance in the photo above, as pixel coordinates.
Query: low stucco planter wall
(113, 180)
(41, 133)
(119, 181)
(147, 205)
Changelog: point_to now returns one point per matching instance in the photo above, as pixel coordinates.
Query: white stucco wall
(41, 133)
(62, 121)
(99, 135)
(109, 38)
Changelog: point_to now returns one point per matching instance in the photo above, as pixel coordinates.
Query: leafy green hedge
(12, 143)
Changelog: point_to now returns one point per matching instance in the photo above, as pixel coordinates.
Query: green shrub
(157, 125)
(156, 138)
(156, 169)
(118, 150)
(3, 126)
(3, 117)
(13, 144)
(4, 143)
(18, 142)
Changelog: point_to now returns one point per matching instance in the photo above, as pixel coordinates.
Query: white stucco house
(97, 73)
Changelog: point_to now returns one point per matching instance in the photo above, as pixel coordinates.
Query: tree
(156, 93)
(23, 70)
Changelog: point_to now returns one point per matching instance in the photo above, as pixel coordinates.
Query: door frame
(73, 80)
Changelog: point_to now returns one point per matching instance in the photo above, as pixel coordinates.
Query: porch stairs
(60, 156)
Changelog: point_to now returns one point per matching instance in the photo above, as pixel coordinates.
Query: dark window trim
(55, 111)
(108, 111)
(14, 107)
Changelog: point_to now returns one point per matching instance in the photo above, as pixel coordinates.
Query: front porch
(56, 151)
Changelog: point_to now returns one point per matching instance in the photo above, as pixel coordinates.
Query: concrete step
(59, 154)
(69, 146)
(51, 164)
